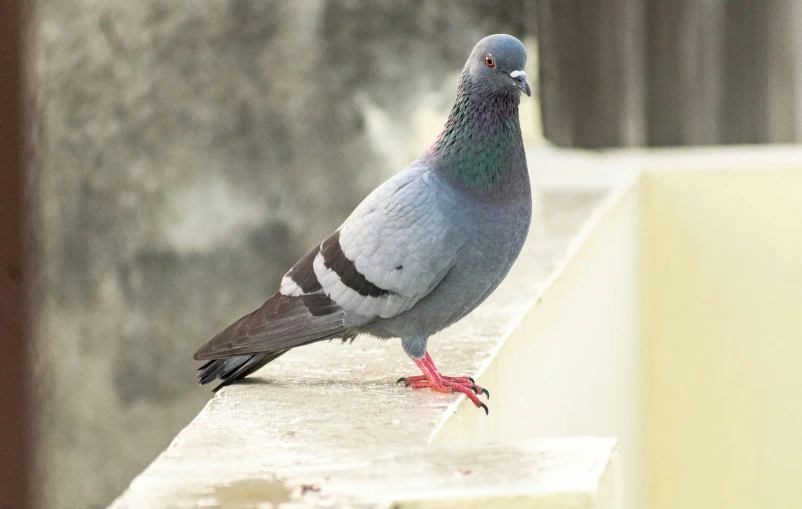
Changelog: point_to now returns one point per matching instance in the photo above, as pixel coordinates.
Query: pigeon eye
(489, 61)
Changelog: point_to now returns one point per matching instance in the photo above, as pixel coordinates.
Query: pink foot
(432, 379)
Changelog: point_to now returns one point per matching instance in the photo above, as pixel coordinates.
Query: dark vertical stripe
(15, 460)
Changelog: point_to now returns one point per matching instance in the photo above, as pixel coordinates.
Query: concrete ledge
(557, 473)
(325, 426)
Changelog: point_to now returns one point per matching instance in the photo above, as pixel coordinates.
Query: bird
(420, 252)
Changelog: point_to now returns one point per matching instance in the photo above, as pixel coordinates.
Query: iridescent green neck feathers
(481, 146)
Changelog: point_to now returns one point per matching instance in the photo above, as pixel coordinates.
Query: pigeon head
(496, 65)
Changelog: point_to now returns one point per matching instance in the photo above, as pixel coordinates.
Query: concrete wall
(188, 153)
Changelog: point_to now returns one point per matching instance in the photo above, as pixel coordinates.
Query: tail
(282, 323)
(231, 369)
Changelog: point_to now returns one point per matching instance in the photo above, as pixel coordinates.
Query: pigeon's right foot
(461, 380)
(432, 379)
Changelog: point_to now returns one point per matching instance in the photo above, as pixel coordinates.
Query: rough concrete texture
(189, 152)
(326, 425)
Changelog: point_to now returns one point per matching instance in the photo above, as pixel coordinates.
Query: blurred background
(179, 156)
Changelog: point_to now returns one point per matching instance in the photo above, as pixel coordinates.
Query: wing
(390, 253)
(281, 323)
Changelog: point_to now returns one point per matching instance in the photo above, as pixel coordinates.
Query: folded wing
(390, 253)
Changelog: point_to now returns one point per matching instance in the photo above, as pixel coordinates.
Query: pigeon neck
(481, 147)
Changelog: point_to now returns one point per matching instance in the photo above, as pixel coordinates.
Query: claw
(432, 379)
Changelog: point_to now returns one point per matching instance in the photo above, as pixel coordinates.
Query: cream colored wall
(722, 259)
(573, 366)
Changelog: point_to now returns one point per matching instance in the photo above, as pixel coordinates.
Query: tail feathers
(231, 369)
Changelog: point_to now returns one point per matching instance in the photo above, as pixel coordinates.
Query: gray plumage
(422, 250)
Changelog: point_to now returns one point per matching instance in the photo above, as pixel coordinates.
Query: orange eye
(489, 61)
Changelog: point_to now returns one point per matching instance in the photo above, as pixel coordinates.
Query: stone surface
(188, 153)
(544, 474)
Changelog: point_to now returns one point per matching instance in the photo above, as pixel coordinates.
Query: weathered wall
(188, 152)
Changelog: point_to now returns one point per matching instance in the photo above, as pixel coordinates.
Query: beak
(520, 79)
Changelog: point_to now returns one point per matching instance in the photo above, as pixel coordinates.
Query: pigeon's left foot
(432, 379)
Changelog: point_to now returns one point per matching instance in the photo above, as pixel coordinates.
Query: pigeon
(423, 250)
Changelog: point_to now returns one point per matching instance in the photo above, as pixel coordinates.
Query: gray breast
(494, 236)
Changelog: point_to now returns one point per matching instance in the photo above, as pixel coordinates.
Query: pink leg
(432, 379)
